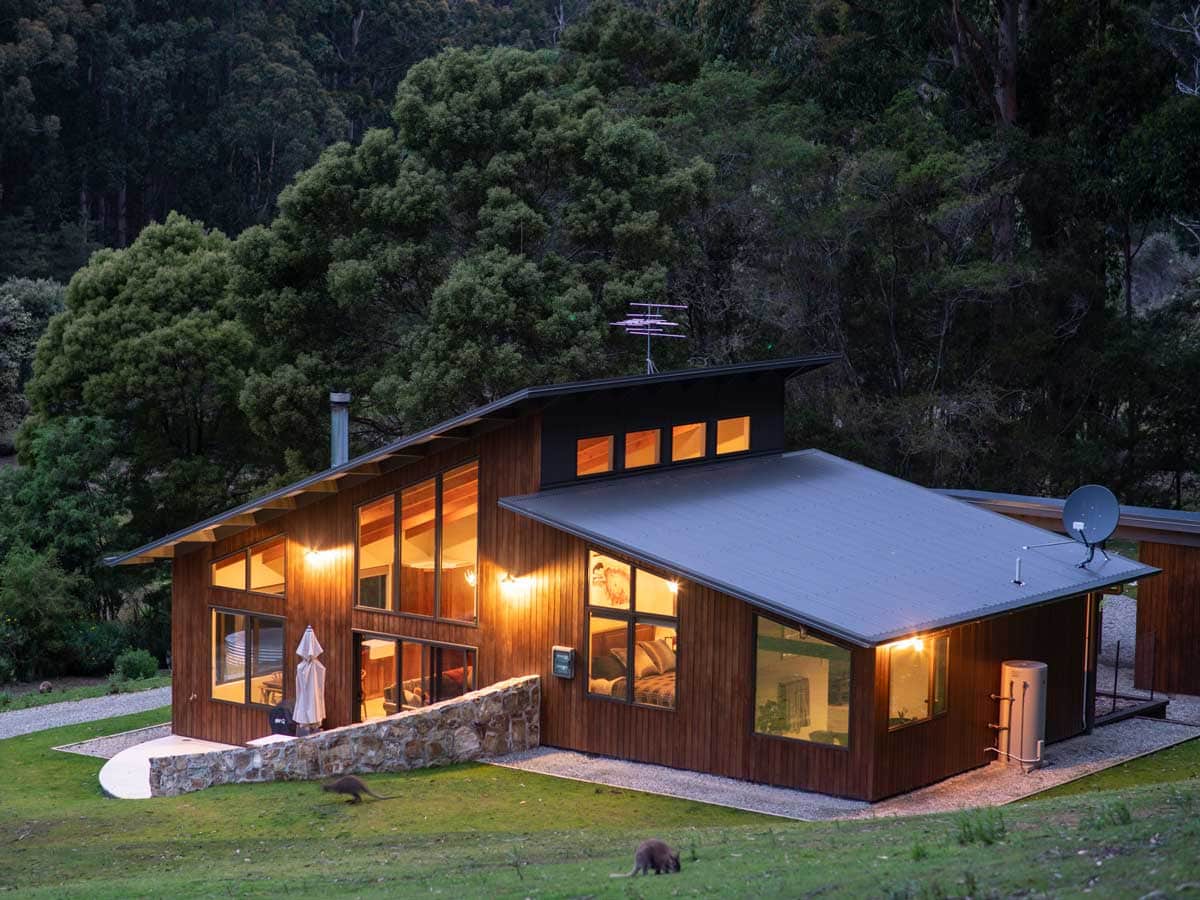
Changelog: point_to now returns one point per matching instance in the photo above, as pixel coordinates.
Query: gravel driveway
(52, 715)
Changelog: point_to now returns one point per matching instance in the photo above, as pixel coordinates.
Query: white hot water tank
(1022, 734)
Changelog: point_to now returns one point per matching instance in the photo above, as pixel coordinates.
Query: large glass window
(633, 633)
(247, 658)
(261, 568)
(376, 552)
(733, 435)
(687, 441)
(801, 685)
(267, 566)
(397, 674)
(460, 542)
(230, 572)
(438, 548)
(418, 548)
(594, 455)
(917, 676)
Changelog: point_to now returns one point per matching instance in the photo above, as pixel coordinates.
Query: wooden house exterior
(247, 584)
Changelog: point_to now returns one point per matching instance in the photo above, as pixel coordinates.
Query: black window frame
(932, 640)
(357, 635)
(632, 618)
(397, 495)
(616, 452)
(778, 620)
(246, 675)
(245, 553)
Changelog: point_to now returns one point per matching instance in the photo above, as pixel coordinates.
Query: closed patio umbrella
(310, 682)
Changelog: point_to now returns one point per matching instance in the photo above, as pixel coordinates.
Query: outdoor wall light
(317, 557)
(511, 586)
(673, 587)
(912, 643)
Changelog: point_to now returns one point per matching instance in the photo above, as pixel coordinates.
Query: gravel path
(110, 745)
(991, 785)
(685, 785)
(52, 715)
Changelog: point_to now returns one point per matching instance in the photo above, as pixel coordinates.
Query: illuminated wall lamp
(673, 587)
(511, 586)
(912, 643)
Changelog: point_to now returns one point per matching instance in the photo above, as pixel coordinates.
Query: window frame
(246, 675)
(717, 435)
(932, 640)
(754, 733)
(613, 454)
(707, 433)
(632, 618)
(393, 608)
(658, 431)
(245, 552)
(357, 635)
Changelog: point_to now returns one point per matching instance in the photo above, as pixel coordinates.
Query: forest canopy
(990, 209)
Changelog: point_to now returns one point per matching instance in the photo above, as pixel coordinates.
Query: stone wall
(499, 719)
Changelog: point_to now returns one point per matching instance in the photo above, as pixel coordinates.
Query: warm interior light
(471, 577)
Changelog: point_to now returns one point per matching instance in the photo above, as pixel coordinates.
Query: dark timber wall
(711, 728)
(1168, 620)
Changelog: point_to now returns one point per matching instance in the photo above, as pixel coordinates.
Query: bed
(653, 684)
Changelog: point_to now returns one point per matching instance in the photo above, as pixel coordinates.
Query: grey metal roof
(834, 545)
(1137, 523)
(410, 448)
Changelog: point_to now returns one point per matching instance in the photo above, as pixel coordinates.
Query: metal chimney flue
(339, 428)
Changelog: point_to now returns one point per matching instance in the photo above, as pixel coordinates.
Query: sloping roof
(1138, 523)
(834, 545)
(411, 448)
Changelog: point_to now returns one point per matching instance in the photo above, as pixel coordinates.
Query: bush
(37, 612)
(134, 664)
(95, 647)
(984, 826)
(1111, 813)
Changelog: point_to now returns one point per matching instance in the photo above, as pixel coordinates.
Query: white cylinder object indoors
(1023, 734)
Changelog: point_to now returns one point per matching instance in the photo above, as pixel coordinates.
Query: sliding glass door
(395, 674)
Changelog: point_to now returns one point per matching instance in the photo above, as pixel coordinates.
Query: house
(690, 593)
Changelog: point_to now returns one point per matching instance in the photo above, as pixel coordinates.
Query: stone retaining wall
(499, 719)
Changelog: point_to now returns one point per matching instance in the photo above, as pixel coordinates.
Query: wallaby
(652, 854)
(353, 785)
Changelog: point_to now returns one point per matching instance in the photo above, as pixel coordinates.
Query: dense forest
(211, 214)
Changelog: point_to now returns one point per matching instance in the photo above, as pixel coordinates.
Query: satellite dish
(1090, 517)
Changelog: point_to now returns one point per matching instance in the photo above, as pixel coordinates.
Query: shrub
(133, 664)
(37, 610)
(96, 647)
(1113, 812)
(983, 826)
(919, 852)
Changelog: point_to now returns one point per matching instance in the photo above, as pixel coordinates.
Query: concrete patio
(127, 775)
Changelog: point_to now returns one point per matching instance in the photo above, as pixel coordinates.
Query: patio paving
(991, 785)
(127, 775)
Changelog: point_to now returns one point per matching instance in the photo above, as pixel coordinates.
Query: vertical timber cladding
(320, 588)
(1168, 620)
(954, 742)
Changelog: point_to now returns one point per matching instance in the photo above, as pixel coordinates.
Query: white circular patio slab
(127, 775)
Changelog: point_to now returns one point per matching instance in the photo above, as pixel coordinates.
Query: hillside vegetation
(988, 208)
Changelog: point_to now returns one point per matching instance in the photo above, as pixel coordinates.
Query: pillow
(643, 665)
(662, 654)
(607, 667)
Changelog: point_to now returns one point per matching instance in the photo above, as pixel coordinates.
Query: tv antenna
(648, 319)
(1090, 516)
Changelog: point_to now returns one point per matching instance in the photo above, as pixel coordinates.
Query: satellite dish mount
(1090, 516)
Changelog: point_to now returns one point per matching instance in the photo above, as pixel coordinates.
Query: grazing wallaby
(45, 687)
(351, 784)
(652, 854)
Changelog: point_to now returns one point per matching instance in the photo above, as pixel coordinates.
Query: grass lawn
(480, 831)
(1178, 763)
(24, 700)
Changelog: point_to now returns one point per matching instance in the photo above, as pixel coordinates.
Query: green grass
(1178, 763)
(8, 702)
(481, 831)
